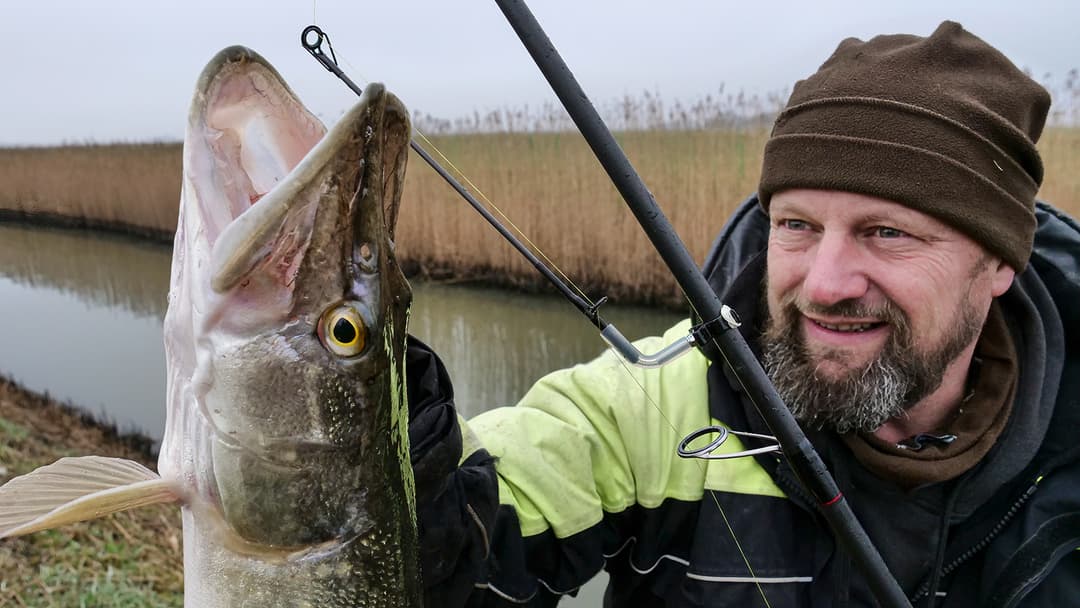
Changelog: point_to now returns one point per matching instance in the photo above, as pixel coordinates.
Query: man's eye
(889, 233)
(794, 224)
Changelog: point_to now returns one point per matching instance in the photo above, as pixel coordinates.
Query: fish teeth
(856, 327)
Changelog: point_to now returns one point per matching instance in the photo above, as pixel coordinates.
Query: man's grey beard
(865, 397)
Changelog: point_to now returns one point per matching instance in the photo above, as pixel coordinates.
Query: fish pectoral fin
(78, 489)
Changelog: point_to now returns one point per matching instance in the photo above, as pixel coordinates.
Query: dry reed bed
(551, 187)
(132, 186)
(549, 184)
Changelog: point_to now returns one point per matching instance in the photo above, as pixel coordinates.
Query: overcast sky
(113, 70)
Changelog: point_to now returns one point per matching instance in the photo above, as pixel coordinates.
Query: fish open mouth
(288, 219)
(263, 164)
(247, 130)
(291, 448)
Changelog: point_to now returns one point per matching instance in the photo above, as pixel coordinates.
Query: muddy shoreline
(65, 423)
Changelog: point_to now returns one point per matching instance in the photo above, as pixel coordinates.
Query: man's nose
(836, 271)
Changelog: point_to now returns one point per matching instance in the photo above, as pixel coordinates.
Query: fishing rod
(312, 39)
(718, 328)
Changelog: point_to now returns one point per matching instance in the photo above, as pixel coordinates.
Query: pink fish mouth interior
(256, 131)
(247, 133)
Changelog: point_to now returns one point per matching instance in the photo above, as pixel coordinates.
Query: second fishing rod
(719, 328)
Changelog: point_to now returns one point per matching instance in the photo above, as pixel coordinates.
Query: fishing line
(704, 475)
(505, 218)
(621, 360)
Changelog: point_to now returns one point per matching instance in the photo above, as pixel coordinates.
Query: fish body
(286, 438)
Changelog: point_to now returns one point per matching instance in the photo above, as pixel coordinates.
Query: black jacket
(1004, 535)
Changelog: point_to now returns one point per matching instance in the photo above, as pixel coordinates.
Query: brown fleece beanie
(946, 125)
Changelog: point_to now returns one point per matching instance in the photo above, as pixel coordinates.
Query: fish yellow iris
(342, 331)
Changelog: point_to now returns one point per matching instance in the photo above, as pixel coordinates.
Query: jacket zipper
(795, 488)
(924, 588)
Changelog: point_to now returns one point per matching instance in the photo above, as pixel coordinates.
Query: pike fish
(286, 441)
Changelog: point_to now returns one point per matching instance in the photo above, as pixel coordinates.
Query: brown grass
(1060, 149)
(548, 183)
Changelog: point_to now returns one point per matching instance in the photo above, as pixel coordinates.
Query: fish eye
(342, 331)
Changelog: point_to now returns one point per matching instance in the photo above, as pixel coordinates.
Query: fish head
(287, 310)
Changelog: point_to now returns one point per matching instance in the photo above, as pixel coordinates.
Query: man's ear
(1003, 277)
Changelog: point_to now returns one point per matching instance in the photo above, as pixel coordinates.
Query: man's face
(869, 303)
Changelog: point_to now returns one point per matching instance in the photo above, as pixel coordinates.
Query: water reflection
(496, 344)
(100, 269)
(82, 321)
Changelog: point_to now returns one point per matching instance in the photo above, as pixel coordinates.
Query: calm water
(80, 318)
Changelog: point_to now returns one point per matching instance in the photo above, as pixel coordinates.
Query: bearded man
(918, 312)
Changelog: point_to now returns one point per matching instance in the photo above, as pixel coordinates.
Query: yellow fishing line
(701, 467)
(462, 177)
(674, 430)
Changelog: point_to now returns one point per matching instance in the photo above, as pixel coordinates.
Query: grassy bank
(549, 184)
(126, 560)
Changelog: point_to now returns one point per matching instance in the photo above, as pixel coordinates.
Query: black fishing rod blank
(720, 325)
(312, 39)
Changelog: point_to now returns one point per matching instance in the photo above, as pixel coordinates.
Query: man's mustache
(791, 306)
